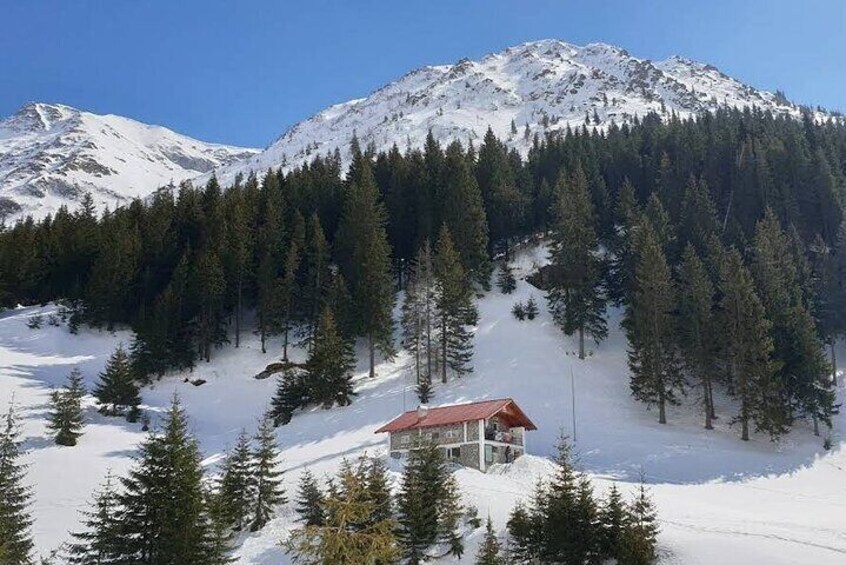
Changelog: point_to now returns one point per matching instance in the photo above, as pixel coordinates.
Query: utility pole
(573, 397)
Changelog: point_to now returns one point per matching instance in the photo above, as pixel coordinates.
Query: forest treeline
(723, 237)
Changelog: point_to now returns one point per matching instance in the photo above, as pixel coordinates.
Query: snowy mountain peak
(532, 88)
(51, 154)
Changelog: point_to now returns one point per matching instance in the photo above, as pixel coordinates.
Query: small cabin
(477, 435)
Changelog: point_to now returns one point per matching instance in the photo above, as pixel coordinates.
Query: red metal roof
(459, 413)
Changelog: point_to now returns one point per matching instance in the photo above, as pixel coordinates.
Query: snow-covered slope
(52, 154)
(545, 85)
(720, 500)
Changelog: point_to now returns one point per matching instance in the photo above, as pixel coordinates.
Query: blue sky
(242, 72)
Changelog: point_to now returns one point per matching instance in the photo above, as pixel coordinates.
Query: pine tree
(217, 546)
(490, 550)
(575, 299)
(237, 484)
(66, 419)
(505, 280)
(329, 365)
(464, 215)
(695, 327)
(364, 259)
(268, 477)
(289, 292)
(116, 392)
(626, 217)
(613, 520)
(802, 368)
(378, 490)
(640, 533)
(310, 501)
(428, 505)
(162, 506)
(418, 316)
(349, 535)
(650, 327)
(210, 286)
(454, 309)
(746, 348)
(315, 290)
(292, 392)
(100, 542)
(15, 496)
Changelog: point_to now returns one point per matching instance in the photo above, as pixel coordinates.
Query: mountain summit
(52, 154)
(525, 90)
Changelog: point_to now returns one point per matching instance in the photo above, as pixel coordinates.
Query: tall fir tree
(330, 364)
(650, 326)
(454, 309)
(464, 214)
(15, 496)
(236, 489)
(269, 492)
(364, 259)
(746, 350)
(418, 316)
(162, 499)
(696, 327)
(575, 297)
(428, 506)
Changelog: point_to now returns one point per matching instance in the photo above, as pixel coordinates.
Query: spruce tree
(15, 496)
(268, 477)
(364, 260)
(315, 289)
(802, 368)
(454, 309)
(210, 287)
(289, 291)
(116, 392)
(695, 327)
(464, 215)
(641, 532)
(329, 366)
(575, 297)
(650, 327)
(292, 393)
(626, 218)
(418, 316)
(746, 349)
(505, 280)
(101, 541)
(490, 550)
(428, 505)
(310, 501)
(378, 489)
(613, 523)
(162, 504)
(66, 419)
(237, 484)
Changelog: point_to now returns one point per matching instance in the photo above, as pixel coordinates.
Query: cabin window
(453, 453)
(489, 454)
(404, 440)
(451, 434)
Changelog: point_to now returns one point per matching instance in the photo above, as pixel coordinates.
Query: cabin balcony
(508, 436)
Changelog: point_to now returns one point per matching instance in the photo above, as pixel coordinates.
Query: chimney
(422, 411)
